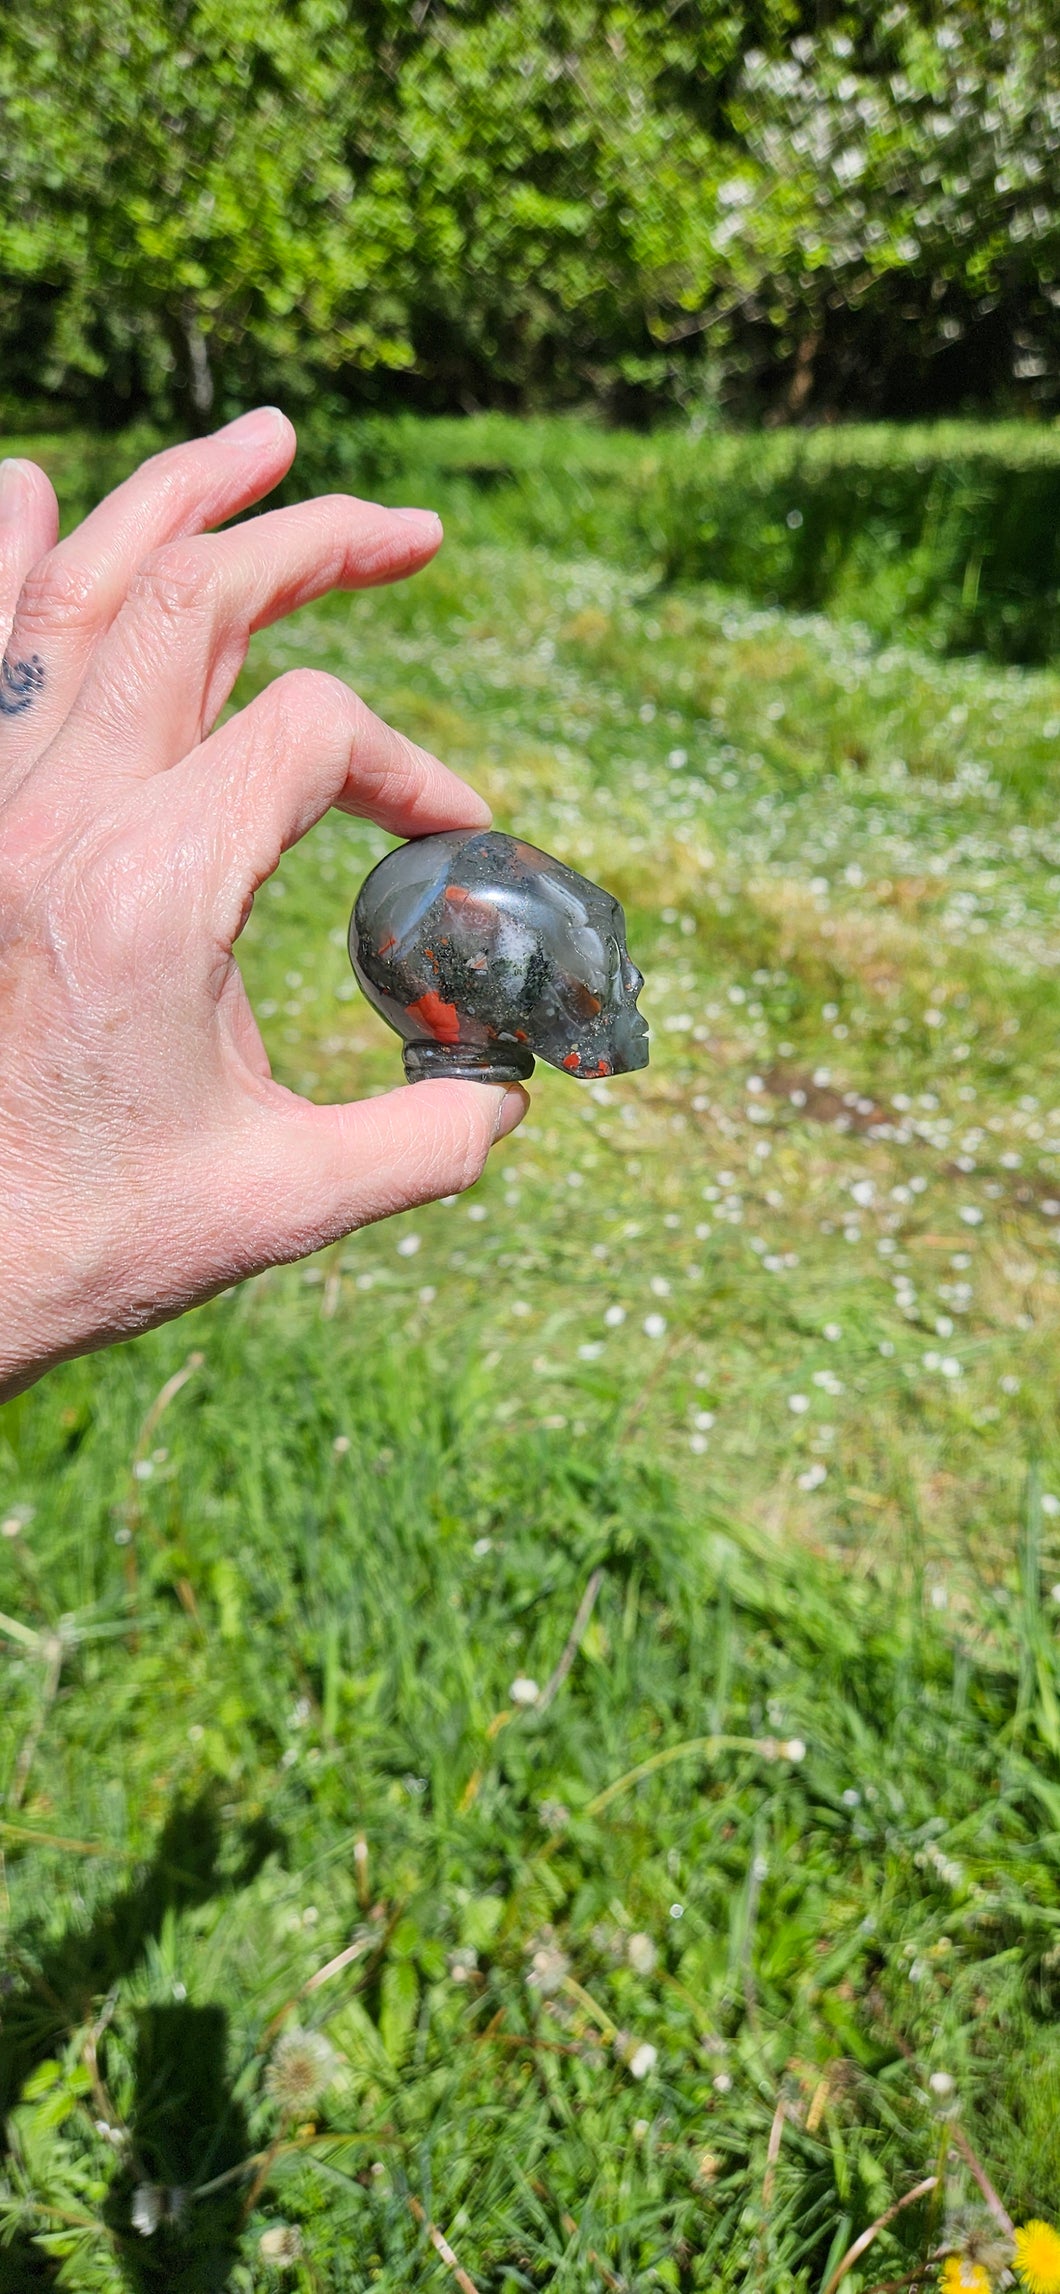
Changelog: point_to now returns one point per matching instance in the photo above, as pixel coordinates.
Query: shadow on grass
(186, 2129)
(185, 2126)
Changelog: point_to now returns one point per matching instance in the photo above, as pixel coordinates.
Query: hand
(147, 1158)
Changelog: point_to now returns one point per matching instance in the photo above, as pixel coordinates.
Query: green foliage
(547, 202)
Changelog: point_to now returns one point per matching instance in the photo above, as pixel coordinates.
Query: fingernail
(13, 476)
(262, 422)
(425, 517)
(511, 1111)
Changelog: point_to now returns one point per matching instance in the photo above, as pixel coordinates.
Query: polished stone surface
(484, 953)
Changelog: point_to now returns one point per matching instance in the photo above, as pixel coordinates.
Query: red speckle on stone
(573, 1059)
(391, 943)
(439, 1018)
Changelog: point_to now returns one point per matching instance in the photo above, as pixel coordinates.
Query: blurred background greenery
(771, 207)
(530, 1744)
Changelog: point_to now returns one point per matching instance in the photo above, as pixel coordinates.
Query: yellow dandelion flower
(1038, 2257)
(960, 2275)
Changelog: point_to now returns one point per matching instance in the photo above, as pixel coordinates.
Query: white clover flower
(641, 1954)
(798, 1404)
(523, 1690)
(614, 1317)
(148, 2207)
(654, 1326)
(408, 1246)
(643, 2060)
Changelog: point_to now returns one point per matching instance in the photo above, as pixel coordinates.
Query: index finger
(306, 743)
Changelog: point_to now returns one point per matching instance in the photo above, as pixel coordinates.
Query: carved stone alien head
(483, 952)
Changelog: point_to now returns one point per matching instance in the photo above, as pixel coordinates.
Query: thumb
(321, 1171)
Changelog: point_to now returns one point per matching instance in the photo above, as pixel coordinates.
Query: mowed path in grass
(811, 1257)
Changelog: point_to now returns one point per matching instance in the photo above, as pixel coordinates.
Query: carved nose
(632, 980)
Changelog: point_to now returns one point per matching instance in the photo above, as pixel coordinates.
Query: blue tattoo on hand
(20, 683)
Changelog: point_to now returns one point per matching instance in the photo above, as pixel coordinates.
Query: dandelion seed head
(281, 2246)
(302, 2069)
(548, 1970)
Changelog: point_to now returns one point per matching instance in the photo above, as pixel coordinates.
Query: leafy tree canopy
(788, 204)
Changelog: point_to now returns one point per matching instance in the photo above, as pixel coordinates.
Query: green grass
(949, 531)
(760, 1347)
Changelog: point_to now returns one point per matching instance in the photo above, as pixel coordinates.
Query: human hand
(147, 1158)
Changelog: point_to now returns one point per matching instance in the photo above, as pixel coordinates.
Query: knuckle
(175, 581)
(58, 595)
(302, 692)
(308, 702)
(401, 772)
(471, 1142)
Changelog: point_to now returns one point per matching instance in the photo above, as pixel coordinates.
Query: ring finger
(69, 593)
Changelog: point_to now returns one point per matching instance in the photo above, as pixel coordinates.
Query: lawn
(532, 1741)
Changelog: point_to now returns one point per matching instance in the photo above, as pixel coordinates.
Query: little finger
(29, 523)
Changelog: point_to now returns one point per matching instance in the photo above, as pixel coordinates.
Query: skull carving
(483, 952)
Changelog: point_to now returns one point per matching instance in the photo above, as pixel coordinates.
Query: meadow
(531, 1742)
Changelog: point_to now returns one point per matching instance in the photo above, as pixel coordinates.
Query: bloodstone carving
(484, 953)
